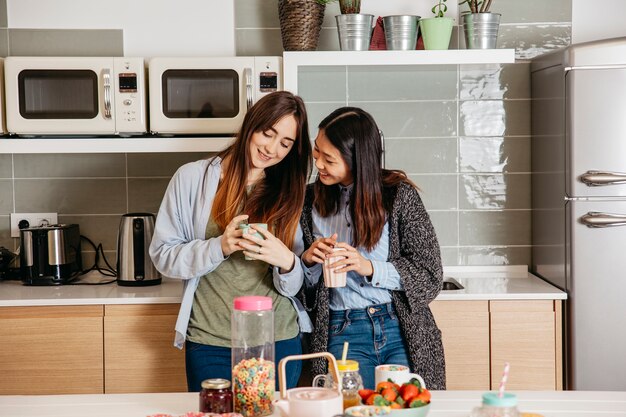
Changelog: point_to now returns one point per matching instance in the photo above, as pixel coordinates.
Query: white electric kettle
(309, 401)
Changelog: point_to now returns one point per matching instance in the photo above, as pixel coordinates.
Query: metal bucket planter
(481, 30)
(355, 31)
(300, 24)
(401, 32)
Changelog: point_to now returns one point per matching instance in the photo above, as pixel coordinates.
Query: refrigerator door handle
(596, 178)
(597, 219)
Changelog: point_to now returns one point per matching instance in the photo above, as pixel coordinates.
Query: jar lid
(252, 303)
(493, 399)
(215, 383)
(347, 365)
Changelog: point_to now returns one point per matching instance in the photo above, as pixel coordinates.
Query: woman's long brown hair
(276, 199)
(354, 133)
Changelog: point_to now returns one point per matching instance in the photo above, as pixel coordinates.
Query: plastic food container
(254, 377)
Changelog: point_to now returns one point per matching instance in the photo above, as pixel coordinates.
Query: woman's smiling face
(329, 162)
(271, 146)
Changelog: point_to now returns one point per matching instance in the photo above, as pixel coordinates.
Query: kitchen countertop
(480, 283)
(444, 404)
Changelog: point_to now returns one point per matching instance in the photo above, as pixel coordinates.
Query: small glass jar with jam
(216, 396)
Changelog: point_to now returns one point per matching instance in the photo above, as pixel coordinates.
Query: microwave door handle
(596, 220)
(597, 178)
(106, 82)
(248, 76)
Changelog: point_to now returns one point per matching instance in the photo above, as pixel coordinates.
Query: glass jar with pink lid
(252, 346)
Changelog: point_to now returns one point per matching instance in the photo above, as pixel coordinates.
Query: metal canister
(216, 396)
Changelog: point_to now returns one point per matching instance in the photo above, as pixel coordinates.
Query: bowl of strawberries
(410, 399)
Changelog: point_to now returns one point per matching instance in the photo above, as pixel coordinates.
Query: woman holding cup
(215, 215)
(373, 226)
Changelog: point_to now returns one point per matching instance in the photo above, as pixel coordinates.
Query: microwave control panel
(268, 82)
(130, 96)
(267, 75)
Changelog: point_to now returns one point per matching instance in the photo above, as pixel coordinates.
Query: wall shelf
(113, 145)
(293, 60)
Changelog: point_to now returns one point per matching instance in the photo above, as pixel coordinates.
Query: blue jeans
(374, 335)
(205, 361)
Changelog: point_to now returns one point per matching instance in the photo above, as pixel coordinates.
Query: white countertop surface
(481, 283)
(443, 404)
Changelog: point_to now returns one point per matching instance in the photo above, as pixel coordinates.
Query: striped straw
(505, 376)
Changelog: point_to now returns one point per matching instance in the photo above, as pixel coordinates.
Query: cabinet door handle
(106, 82)
(597, 178)
(596, 219)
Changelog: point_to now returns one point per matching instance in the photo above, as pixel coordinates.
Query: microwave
(207, 95)
(75, 96)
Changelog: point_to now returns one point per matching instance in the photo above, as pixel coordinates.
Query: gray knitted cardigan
(414, 252)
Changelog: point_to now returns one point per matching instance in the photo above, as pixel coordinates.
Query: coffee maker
(50, 255)
(134, 266)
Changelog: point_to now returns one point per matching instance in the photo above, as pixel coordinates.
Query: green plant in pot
(345, 6)
(437, 31)
(480, 26)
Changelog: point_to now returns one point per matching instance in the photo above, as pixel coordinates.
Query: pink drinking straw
(505, 376)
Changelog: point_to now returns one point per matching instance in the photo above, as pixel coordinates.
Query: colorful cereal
(253, 387)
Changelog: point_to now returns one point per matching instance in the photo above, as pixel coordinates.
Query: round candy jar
(216, 396)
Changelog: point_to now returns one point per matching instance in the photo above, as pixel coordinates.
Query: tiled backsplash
(461, 132)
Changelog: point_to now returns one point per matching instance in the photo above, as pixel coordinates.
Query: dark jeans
(204, 362)
(374, 335)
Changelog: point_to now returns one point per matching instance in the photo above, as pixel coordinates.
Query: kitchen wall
(462, 133)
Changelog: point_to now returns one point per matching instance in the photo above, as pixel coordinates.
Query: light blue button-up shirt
(359, 291)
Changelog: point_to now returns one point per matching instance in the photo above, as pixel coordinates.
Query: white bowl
(411, 412)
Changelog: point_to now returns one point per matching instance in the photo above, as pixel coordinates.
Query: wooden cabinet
(526, 334)
(139, 355)
(51, 350)
(480, 336)
(464, 329)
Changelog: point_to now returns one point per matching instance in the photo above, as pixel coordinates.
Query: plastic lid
(492, 399)
(252, 303)
(347, 365)
(215, 383)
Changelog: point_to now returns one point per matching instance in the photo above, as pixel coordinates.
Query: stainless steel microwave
(75, 96)
(207, 95)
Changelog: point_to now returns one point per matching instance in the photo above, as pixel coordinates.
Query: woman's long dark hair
(355, 134)
(277, 199)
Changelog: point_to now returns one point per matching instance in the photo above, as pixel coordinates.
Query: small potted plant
(354, 29)
(437, 31)
(345, 6)
(480, 25)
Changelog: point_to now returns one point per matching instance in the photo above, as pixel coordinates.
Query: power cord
(109, 271)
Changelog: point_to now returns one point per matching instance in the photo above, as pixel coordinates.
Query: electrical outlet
(33, 219)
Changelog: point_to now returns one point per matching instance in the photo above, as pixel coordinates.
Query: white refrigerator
(579, 203)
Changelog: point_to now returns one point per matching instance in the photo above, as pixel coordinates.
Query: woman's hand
(270, 249)
(231, 238)
(352, 261)
(318, 250)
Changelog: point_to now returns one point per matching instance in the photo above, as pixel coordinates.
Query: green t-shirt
(213, 300)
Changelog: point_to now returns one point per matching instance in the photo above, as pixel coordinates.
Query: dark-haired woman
(260, 178)
(392, 257)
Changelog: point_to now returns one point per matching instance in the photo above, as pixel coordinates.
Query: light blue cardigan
(179, 249)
